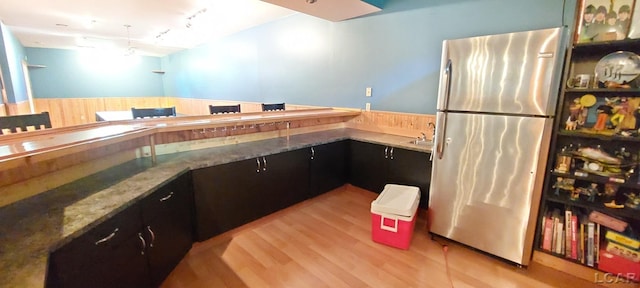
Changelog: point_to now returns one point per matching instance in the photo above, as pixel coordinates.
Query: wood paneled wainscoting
(396, 123)
(76, 111)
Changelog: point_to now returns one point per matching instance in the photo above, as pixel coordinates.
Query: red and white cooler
(393, 215)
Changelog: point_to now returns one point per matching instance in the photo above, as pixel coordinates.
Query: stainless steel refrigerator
(495, 111)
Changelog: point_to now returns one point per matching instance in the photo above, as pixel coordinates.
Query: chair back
(15, 122)
(272, 107)
(152, 112)
(224, 109)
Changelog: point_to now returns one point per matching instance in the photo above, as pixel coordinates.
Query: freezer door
(516, 73)
(487, 180)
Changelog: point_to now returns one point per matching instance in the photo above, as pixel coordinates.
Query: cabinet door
(329, 167)
(225, 196)
(285, 181)
(109, 255)
(368, 166)
(168, 226)
(411, 168)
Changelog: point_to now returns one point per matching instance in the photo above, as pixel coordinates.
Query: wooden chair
(152, 112)
(12, 123)
(224, 109)
(272, 107)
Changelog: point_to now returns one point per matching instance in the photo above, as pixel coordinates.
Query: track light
(189, 24)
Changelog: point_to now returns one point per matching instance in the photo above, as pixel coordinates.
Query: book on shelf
(581, 243)
(622, 239)
(596, 243)
(608, 221)
(547, 233)
(623, 251)
(590, 244)
(559, 249)
(574, 237)
(567, 233)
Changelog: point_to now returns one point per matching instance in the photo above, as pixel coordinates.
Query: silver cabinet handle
(167, 197)
(258, 161)
(313, 153)
(264, 164)
(391, 153)
(153, 236)
(105, 239)
(385, 152)
(144, 244)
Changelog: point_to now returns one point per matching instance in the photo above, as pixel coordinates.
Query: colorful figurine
(591, 192)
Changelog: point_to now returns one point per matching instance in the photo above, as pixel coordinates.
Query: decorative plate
(618, 67)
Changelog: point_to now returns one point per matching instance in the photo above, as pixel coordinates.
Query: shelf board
(602, 179)
(603, 90)
(606, 137)
(607, 45)
(625, 212)
(577, 269)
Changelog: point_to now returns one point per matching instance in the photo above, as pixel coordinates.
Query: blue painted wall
(11, 55)
(306, 60)
(76, 74)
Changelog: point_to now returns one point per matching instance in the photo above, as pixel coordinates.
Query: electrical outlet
(367, 92)
(367, 107)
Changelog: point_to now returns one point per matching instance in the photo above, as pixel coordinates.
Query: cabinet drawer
(168, 199)
(100, 240)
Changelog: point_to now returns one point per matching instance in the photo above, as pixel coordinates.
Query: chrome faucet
(433, 130)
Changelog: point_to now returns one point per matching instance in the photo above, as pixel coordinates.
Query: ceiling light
(190, 18)
(311, 1)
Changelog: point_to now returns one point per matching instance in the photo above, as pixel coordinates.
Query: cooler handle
(389, 228)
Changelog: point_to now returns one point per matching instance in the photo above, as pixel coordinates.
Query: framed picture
(604, 20)
(634, 29)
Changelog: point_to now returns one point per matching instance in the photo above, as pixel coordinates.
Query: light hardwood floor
(326, 242)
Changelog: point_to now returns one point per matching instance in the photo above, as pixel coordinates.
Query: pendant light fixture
(130, 50)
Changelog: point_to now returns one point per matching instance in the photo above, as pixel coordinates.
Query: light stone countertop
(32, 228)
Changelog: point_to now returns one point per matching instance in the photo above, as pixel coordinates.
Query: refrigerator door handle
(441, 135)
(447, 84)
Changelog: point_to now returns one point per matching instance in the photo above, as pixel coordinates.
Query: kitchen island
(35, 226)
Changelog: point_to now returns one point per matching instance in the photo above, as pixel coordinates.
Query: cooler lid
(397, 199)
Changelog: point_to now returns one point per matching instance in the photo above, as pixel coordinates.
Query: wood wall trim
(580, 271)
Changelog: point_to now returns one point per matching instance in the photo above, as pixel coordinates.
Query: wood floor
(326, 242)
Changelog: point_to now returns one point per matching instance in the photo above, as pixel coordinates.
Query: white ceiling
(100, 24)
(156, 27)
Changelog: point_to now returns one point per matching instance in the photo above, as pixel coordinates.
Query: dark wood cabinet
(167, 218)
(373, 166)
(329, 167)
(407, 167)
(230, 195)
(137, 247)
(368, 165)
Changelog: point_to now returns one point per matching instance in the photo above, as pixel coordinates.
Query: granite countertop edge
(27, 237)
